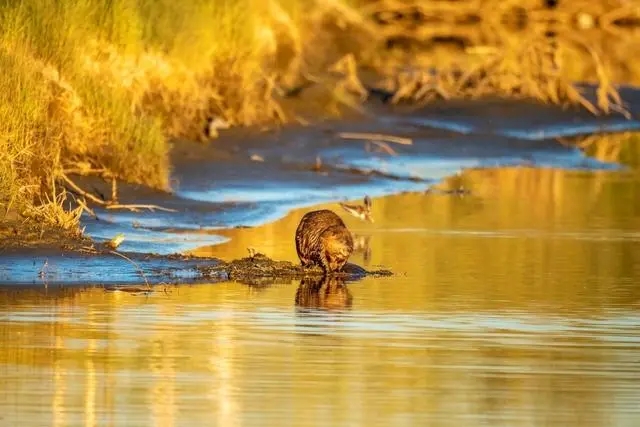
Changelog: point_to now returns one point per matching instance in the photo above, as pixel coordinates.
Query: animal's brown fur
(323, 239)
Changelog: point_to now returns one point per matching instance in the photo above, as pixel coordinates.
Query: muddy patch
(261, 270)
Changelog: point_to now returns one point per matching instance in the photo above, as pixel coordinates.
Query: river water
(514, 305)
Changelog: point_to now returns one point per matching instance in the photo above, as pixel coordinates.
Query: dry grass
(98, 88)
(521, 69)
(470, 49)
(95, 88)
(54, 209)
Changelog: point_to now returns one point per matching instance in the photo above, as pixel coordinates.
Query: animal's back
(312, 245)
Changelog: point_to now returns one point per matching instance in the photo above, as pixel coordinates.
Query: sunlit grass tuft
(56, 210)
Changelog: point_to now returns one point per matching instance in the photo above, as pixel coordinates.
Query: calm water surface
(518, 305)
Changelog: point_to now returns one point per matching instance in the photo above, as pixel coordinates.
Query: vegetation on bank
(92, 87)
(96, 87)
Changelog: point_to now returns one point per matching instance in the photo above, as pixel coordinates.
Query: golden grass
(509, 49)
(98, 88)
(529, 69)
(55, 209)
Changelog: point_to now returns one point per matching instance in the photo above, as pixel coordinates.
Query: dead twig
(133, 290)
(111, 204)
(80, 191)
(89, 249)
(376, 137)
(114, 190)
(86, 208)
(43, 272)
(86, 171)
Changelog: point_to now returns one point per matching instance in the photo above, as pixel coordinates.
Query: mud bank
(247, 178)
(113, 270)
(261, 270)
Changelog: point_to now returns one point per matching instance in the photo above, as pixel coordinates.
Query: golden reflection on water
(330, 293)
(59, 389)
(517, 221)
(515, 305)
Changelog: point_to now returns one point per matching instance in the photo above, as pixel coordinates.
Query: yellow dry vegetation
(99, 88)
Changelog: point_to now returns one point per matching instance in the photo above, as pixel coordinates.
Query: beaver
(323, 239)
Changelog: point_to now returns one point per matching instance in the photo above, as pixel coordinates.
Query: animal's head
(337, 246)
(362, 212)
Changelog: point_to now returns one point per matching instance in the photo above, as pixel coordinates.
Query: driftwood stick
(111, 205)
(86, 208)
(376, 137)
(80, 191)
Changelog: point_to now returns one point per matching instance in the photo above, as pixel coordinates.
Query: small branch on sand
(376, 137)
(109, 204)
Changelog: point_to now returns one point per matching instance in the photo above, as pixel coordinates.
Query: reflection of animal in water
(323, 239)
(362, 244)
(329, 293)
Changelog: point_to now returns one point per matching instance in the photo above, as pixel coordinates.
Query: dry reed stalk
(608, 97)
(347, 69)
(52, 210)
(521, 69)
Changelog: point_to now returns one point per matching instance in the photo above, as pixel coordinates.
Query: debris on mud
(142, 273)
(260, 269)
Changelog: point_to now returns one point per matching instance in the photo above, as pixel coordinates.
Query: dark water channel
(516, 304)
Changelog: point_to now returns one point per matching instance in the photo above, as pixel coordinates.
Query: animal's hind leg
(306, 263)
